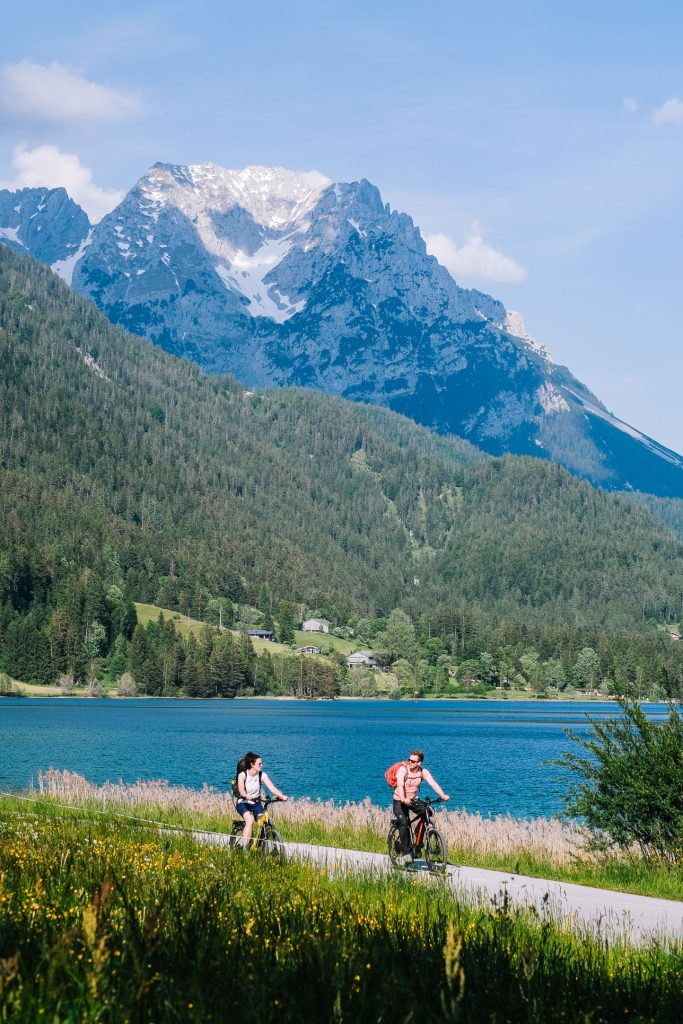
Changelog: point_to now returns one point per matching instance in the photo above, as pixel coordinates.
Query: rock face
(46, 224)
(284, 278)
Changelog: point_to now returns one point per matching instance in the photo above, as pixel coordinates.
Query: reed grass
(539, 847)
(102, 921)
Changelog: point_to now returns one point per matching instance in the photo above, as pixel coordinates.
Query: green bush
(631, 788)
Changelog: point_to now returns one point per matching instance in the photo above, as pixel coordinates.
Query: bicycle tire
(236, 833)
(270, 843)
(435, 851)
(394, 846)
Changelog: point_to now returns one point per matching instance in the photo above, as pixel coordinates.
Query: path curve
(612, 915)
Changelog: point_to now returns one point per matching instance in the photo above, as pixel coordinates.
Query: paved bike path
(613, 914)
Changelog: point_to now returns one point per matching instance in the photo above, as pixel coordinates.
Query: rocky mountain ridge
(290, 279)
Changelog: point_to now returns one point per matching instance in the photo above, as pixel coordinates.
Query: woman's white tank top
(252, 786)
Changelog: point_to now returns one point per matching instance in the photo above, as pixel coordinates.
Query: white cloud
(57, 94)
(474, 260)
(670, 112)
(630, 105)
(48, 167)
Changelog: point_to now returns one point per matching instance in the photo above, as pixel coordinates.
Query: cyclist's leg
(401, 814)
(248, 828)
(421, 810)
(247, 812)
(257, 810)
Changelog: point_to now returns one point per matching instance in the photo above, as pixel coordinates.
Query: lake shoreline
(517, 698)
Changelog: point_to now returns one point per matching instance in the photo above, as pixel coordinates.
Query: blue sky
(538, 146)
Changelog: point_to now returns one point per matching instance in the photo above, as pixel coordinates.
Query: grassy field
(16, 688)
(335, 643)
(105, 922)
(539, 847)
(184, 625)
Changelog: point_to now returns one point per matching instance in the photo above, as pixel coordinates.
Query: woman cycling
(249, 779)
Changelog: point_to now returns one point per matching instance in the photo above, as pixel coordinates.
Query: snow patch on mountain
(247, 274)
(12, 235)
(65, 268)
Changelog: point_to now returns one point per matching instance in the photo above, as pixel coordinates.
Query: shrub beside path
(612, 915)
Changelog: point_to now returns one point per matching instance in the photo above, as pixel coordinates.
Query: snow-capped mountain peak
(275, 198)
(246, 222)
(283, 278)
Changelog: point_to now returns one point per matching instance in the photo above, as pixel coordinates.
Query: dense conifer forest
(127, 476)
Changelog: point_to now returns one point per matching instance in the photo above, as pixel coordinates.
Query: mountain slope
(288, 279)
(182, 487)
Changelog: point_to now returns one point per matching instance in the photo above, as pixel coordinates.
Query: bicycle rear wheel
(394, 846)
(270, 843)
(236, 833)
(435, 851)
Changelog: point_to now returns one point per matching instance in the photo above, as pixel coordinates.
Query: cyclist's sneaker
(406, 859)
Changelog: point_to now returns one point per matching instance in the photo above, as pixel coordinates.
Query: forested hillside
(668, 510)
(127, 474)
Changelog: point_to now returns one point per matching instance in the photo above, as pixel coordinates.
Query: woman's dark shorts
(257, 808)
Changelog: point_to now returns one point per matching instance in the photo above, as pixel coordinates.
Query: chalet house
(315, 626)
(309, 649)
(261, 634)
(364, 658)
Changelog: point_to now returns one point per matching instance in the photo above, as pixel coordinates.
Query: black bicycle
(425, 838)
(265, 838)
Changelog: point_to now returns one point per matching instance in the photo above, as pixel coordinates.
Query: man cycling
(409, 778)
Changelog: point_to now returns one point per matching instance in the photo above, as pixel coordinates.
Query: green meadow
(103, 921)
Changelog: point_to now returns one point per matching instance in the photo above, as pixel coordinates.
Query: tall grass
(103, 922)
(500, 836)
(540, 847)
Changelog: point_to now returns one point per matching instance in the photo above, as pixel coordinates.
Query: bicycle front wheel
(270, 843)
(394, 846)
(435, 851)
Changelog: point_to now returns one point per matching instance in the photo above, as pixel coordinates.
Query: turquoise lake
(489, 756)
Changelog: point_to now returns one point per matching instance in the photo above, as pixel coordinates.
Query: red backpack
(391, 773)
